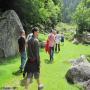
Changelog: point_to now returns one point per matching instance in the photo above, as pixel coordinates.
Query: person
(51, 39)
(57, 41)
(32, 67)
(22, 49)
(62, 38)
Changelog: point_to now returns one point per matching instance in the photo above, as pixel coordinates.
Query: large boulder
(10, 27)
(86, 85)
(75, 41)
(80, 72)
(81, 59)
(86, 38)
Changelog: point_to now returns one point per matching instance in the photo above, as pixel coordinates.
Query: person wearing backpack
(32, 67)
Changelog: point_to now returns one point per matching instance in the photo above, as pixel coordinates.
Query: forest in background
(48, 13)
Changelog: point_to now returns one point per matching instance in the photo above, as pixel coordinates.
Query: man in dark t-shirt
(22, 49)
(32, 67)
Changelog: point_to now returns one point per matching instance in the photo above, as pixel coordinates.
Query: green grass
(52, 75)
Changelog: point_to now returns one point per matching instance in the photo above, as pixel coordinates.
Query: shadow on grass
(47, 61)
(23, 82)
(5, 61)
(17, 73)
(9, 88)
(85, 44)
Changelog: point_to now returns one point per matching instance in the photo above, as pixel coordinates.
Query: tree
(33, 12)
(68, 8)
(82, 16)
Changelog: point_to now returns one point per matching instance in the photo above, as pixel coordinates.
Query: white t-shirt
(29, 37)
(57, 38)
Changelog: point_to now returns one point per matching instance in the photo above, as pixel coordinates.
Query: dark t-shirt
(21, 43)
(33, 48)
(33, 62)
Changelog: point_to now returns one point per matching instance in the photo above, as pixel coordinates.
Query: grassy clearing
(52, 75)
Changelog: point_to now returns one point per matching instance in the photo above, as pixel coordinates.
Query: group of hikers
(30, 57)
(53, 41)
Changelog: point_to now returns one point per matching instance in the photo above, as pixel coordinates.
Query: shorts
(62, 40)
(34, 74)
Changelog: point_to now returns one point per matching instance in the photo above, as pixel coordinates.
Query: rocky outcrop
(81, 59)
(75, 41)
(86, 38)
(82, 38)
(79, 72)
(10, 27)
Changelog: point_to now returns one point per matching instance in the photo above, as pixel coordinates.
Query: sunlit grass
(52, 75)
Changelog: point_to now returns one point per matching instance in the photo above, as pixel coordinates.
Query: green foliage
(49, 13)
(88, 3)
(34, 12)
(69, 36)
(82, 16)
(56, 1)
(37, 12)
(42, 37)
(68, 30)
(63, 27)
(45, 12)
(68, 8)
